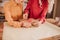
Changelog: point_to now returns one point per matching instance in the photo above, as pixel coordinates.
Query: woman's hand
(35, 23)
(17, 24)
(25, 16)
(41, 22)
(10, 23)
(27, 24)
(31, 20)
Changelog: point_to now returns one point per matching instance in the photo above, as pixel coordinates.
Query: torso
(16, 11)
(35, 9)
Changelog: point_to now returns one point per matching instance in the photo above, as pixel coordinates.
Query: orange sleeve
(7, 12)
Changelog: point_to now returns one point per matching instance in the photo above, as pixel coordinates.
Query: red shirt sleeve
(44, 12)
(28, 7)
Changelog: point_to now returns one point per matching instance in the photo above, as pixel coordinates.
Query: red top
(35, 10)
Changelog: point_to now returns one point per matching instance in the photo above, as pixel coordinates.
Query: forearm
(8, 17)
(7, 12)
(27, 7)
(43, 15)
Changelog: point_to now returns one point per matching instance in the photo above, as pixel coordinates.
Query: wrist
(25, 16)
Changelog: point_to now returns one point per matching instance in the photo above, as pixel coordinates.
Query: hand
(26, 24)
(31, 20)
(10, 23)
(41, 22)
(17, 24)
(25, 16)
(35, 23)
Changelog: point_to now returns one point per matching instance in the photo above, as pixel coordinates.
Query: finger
(15, 24)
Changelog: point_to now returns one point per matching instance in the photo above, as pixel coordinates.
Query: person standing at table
(13, 12)
(36, 9)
